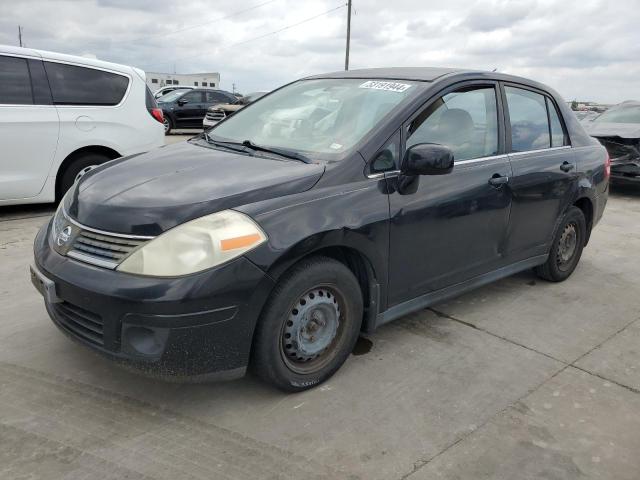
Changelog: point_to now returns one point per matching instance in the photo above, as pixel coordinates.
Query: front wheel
(309, 325)
(566, 248)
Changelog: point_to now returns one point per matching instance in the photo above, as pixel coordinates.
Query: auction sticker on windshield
(389, 86)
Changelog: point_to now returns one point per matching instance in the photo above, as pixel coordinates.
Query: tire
(168, 125)
(78, 167)
(566, 248)
(309, 325)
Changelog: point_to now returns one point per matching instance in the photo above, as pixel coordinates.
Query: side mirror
(427, 159)
(182, 102)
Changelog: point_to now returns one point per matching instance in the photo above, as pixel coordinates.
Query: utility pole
(233, 86)
(346, 57)
(20, 34)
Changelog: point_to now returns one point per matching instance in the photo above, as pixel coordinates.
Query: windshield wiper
(278, 151)
(219, 143)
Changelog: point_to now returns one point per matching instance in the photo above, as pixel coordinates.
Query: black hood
(150, 193)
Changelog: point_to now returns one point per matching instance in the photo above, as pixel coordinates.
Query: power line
(224, 47)
(190, 27)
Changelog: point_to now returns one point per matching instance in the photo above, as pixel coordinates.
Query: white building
(157, 80)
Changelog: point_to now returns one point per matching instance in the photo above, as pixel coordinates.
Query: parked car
(332, 206)
(586, 115)
(219, 112)
(186, 109)
(62, 115)
(170, 88)
(618, 129)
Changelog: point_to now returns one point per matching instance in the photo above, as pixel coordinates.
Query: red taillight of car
(607, 166)
(157, 114)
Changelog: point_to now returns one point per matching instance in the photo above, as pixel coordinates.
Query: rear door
(449, 228)
(29, 127)
(543, 166)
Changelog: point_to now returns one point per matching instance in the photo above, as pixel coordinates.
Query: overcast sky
(586, 49)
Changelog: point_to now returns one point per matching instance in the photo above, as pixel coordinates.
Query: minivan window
(529, 121)
(15, 84)
(466, 121)
(319, 116)
(73, 85)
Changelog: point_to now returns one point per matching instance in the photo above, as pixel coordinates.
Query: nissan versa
(330, 206)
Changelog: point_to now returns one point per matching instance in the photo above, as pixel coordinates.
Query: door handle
(566, 166)
(498, 180)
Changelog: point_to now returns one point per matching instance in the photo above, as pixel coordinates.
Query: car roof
(428, 74)
(420, 74)
(62, 57)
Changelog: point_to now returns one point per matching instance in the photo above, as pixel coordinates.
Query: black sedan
(331, 206)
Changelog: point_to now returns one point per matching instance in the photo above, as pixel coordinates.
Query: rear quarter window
(74, 85)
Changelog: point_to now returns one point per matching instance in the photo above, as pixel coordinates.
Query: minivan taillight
(607, 167)
(157, 114)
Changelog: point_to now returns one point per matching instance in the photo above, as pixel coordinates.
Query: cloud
(587, 49)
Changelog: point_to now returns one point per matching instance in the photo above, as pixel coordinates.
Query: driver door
(449, 228)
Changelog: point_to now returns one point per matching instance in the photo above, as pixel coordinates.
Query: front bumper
(197, 326)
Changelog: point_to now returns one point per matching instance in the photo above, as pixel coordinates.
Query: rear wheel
(566, 249)
(77, 168)
(309, 326)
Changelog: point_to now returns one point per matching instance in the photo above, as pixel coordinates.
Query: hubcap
(312, 326)
(165, 121)
(83, 171)
(567, 244)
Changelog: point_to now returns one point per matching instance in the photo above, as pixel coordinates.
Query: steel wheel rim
(567, 246)
(313, 330)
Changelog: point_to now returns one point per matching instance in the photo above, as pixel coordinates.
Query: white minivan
(61, 115)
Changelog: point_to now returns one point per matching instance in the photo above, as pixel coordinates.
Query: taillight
(157, 114)
(607, 166)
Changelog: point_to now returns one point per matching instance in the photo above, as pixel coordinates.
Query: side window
(215, 97)
(15, 83)
(387, 157)
(529, 122)
(558, 137)
(192, 97)
(72, 85)
(466, 121)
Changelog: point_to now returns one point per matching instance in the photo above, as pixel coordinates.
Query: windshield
(172, 96)
(323, 116)
(630, 114)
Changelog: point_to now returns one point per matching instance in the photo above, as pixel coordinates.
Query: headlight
(59, 218)
(196, 245)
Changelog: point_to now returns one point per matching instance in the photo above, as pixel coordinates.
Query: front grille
(80, 322)
(101, 247)
(216, 115)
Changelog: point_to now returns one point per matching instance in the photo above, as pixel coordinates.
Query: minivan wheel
(166, 121)
(309, 325)
(566, 249)
(77, 168)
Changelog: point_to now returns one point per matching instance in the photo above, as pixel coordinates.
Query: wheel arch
(78, 153)
(357, 262)
(586, 205)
